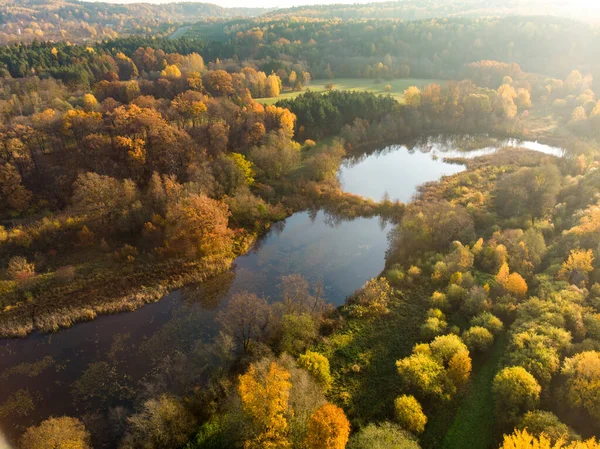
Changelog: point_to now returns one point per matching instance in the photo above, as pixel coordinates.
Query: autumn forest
(370, 226)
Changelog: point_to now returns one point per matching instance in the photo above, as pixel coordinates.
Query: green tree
(382, 436)
(540, 422)
(515, 392)
(478, 338)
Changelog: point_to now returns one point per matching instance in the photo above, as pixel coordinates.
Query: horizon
(266, 4)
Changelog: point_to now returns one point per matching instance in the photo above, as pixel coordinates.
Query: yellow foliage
(579, 261)
(589, 223)
(502, 273)
(515, 284)
(245, 166)
(523, 440)
(459, 368)
(583, 381)
(266, 401)
(171, 71)
(412, 96)
(89, 102)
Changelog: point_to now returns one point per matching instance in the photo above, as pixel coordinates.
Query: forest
(136, 167)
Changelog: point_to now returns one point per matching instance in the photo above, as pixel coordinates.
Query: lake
(340, 255)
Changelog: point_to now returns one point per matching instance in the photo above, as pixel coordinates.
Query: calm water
(397, 170)
(343, 256)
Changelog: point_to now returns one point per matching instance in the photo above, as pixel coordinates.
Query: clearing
(398, 86)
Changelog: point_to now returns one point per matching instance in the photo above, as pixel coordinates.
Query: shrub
(318, 366)
(382, 436)
(409, 414)
(433, 327)
(478, 338)
(65, 274)
(488, 321)
(540, 422)
(20, 270)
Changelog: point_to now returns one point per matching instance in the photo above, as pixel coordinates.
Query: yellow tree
(513, 283)
(409, 414)
(523, 440)
(583, 381)
(273, 86)
(196, 226)
(57, 433)
(265, 399)
(576, 268)
(589, 223)
(328, 428)
(244, 165)
(412, 97)
(171, 71)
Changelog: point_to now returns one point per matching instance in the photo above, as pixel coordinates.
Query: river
(37, 373)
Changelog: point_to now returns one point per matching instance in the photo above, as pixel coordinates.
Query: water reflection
(342, 256)
(397, 170)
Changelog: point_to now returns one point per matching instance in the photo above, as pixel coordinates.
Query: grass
(474, 423)
(363, 356)
(398, 86)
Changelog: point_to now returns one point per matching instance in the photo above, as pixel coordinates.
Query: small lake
(399, 169)
(341, 255)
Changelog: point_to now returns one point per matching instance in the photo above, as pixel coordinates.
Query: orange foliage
(328, 428)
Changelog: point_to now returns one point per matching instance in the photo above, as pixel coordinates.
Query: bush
(382, 436)
(163, 423)
(20, 270)
(478, 338)
(541, 422)
(409, 414)
(318, 366)
(488, 321)
(440, 301)
(65, 274)
(433, 327)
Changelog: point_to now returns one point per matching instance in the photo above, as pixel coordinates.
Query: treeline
(329, 49)
(416, 10)
(361, 118)
(27, 20)
(422, 49)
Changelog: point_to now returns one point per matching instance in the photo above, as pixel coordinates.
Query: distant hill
(425, 9)
(26, 20)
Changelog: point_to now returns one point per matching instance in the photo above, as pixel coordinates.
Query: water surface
(398, 170)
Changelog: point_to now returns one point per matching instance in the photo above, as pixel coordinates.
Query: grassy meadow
(398, 86)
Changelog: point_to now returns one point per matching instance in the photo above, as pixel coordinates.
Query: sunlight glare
(3, 442)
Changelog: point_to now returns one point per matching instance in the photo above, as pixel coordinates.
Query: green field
(358, 84)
